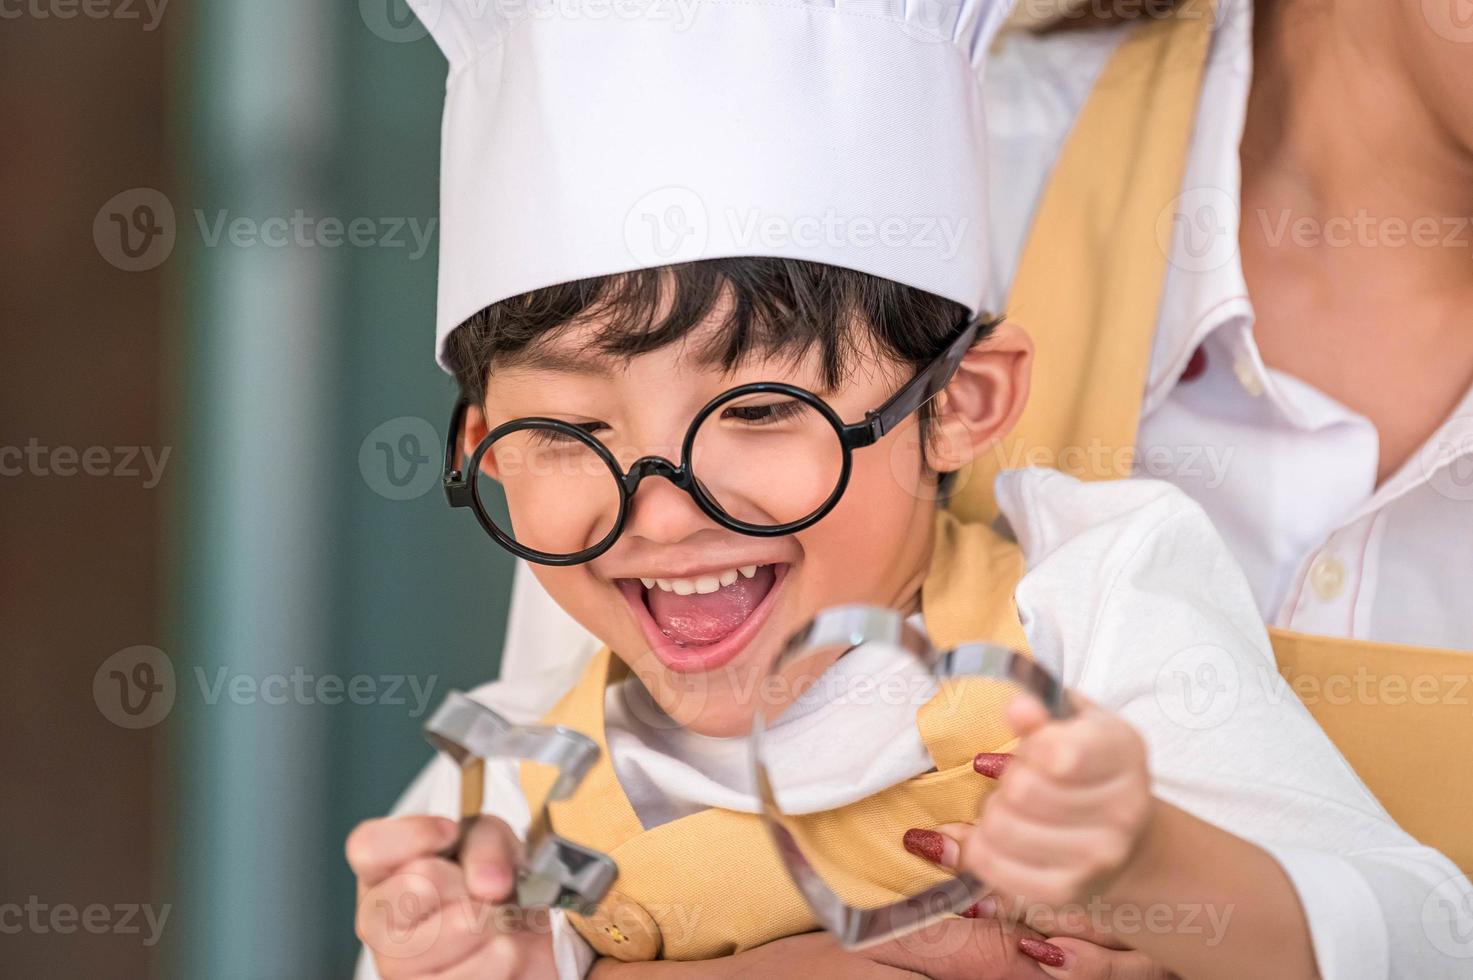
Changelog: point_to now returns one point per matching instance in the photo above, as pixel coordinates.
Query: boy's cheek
(596, 605)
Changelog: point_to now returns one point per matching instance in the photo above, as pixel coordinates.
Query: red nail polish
(983, 908)
(991, 764)
(925, 843)
(1046, 953)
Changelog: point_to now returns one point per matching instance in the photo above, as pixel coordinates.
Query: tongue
(700, 619)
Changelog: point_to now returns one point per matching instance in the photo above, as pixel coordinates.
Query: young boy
(713, 293)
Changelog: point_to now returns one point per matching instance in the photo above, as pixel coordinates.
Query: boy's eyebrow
(565, 362)
(593, 364)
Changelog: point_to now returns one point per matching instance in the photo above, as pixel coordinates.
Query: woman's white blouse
(1131, 597)
(1287, 473)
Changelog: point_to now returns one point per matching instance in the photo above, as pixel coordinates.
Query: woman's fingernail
(991, 764)
(983, 908)
(929, 844)
(1046, 953)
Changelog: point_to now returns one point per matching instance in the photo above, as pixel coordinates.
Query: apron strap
(1089, 283)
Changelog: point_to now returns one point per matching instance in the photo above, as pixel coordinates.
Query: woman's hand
(952, 949)
(1076, 947)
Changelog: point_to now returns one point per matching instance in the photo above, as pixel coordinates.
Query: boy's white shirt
(1132, 599)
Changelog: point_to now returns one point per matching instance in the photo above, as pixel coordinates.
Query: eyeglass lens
(765, 459)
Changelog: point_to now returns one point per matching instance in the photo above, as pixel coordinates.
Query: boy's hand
(1069, 810)
(421, 915)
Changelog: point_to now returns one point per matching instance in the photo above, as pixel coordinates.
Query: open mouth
(701, 623)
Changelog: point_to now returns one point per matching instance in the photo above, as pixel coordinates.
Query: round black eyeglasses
(764, 459)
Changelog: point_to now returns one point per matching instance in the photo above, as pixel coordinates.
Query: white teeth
(701, 584)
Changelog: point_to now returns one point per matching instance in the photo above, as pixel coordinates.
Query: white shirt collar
(1205, 288)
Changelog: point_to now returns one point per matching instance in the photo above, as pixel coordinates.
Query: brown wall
(82, 117)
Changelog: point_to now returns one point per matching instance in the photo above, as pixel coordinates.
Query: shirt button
(1247, 375)
(1327, 577)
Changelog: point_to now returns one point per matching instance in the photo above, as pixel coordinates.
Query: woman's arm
(813, 956)
(1073, 824)
(953, 949)
(1161, 629)
(1218, 887)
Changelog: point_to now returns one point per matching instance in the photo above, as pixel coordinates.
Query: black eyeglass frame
(462, 490)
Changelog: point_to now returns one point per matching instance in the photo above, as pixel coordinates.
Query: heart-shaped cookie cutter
(846, 627)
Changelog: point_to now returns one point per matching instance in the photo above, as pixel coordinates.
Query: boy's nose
(663, 513)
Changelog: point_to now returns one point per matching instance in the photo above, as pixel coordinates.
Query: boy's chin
(719, 704)
(731, 720)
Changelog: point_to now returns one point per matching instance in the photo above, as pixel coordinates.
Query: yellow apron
(1088, 292)
(711, 883)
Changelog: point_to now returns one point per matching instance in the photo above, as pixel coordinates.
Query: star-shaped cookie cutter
(556, 872)
(845, 627)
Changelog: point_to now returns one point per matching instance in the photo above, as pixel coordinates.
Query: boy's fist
(1068, 811)
(421, 914)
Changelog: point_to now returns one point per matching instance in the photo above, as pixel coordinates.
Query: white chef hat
(591, 137)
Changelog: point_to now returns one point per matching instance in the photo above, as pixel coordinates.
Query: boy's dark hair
(783, 308)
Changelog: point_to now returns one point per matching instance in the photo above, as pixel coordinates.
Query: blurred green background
(295, 565)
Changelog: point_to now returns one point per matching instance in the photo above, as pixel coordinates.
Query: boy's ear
(471, 434)
(983, 400)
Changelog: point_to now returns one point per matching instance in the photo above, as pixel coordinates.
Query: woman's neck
(1357, 193)
(1361, 111)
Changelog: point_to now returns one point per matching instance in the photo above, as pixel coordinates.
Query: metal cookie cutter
(843, 628)
(557, 873)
